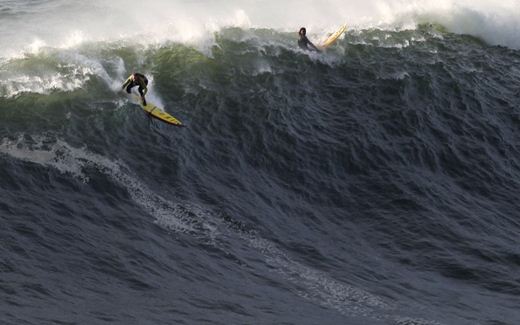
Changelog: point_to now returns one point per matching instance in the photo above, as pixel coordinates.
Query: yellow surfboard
(333, 37)
(157, 112)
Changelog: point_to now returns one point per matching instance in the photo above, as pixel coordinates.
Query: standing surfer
(304, 42)
(137, 79)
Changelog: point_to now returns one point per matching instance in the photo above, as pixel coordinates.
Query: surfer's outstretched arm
(127, 82)
(314, 48)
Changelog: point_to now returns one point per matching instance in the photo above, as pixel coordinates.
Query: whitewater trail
(186, 218)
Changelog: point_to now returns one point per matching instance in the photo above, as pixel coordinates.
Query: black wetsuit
(305, 44)
(137, 80)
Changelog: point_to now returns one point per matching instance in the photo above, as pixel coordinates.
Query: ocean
(374, 183)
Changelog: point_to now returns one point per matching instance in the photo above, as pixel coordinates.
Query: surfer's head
(302, 31)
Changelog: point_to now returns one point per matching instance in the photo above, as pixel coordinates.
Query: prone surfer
(304, 42)
(137, 79)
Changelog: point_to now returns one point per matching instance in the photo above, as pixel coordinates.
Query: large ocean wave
(374, 183)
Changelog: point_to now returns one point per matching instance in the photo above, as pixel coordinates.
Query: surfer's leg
(142, 95)
(129, 87)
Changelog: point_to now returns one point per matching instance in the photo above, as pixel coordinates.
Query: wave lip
(195, 23)
(497, 23)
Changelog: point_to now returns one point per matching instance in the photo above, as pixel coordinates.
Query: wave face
(373, 184)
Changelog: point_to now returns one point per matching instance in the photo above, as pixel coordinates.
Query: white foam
(43, 82)
(497, 22)
(194, 22)
(71, 71)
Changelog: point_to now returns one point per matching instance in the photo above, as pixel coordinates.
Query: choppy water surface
(373, 184)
